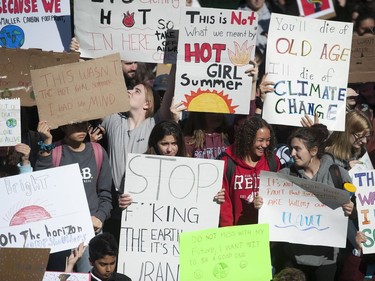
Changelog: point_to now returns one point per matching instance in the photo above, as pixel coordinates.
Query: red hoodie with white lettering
(238, 207)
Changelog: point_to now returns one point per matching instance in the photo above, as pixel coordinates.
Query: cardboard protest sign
(136, 29)
(80, 91)
(227, 253)
(10, 122)
(323, 9)
(365, 198)
(308, 60)
(303, 211)
(215, 48)
(362, 59)
(23, 264)
(15, 66)
(45, 209)
(170, 195)
(35, 24)
(66, 276)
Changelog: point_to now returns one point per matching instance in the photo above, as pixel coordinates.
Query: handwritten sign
(215, 47)
(364, 164)
(365, 198)
(66, 276)
(39, 211)
(171, 195)
(303, 211)
(227, 253)
(15, 66)
(362, 59)
(323, 9)
(35, 24)
(10, 122)
(80, 91)
(23, 264)
(308, 60)
(136, 29)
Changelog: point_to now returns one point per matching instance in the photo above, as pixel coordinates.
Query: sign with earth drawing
(43, 24)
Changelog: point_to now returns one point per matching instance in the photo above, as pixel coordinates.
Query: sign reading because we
(43, 24)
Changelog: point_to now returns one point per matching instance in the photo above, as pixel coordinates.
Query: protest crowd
(156, 123)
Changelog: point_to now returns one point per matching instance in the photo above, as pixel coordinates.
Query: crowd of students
(246, 144)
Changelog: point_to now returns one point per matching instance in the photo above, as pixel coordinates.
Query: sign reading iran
(365, 197)
(43, 24)
(303, 211)
(39, 211)
(214, 51)
(308, 60)
(138, 30)
(171, 195)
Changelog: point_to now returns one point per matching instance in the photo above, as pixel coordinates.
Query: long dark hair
(246, 133)
(162, 129)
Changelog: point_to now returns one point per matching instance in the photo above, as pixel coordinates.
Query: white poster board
(10, 122)
(365, 198)
(35, 24)
(364, 164)
(170, 195)
(214, 50)
(302, 211)
(45, 209)
(135, 29)
(308, 60)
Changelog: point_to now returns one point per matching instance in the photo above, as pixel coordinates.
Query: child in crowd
(96, 178)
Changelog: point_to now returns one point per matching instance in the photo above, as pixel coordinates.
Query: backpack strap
(231, 166)
(57, 154)
(334, 170)
(272, 163)
(98, 153)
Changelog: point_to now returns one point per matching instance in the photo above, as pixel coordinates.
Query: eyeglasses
(360, 138)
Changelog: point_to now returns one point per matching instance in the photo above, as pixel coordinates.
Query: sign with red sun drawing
(45, 209)
(138, 30)
(214, 51)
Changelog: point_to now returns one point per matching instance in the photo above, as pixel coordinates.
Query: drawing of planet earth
(221, 270)
(12, 36)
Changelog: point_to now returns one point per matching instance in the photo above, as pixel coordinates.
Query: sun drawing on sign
(29, 214)
(209, 101)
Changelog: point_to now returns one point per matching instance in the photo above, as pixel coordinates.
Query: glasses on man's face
(359, 138)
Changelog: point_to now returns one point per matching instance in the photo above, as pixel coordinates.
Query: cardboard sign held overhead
(362, 59)
(15, 66)
(80, 91)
